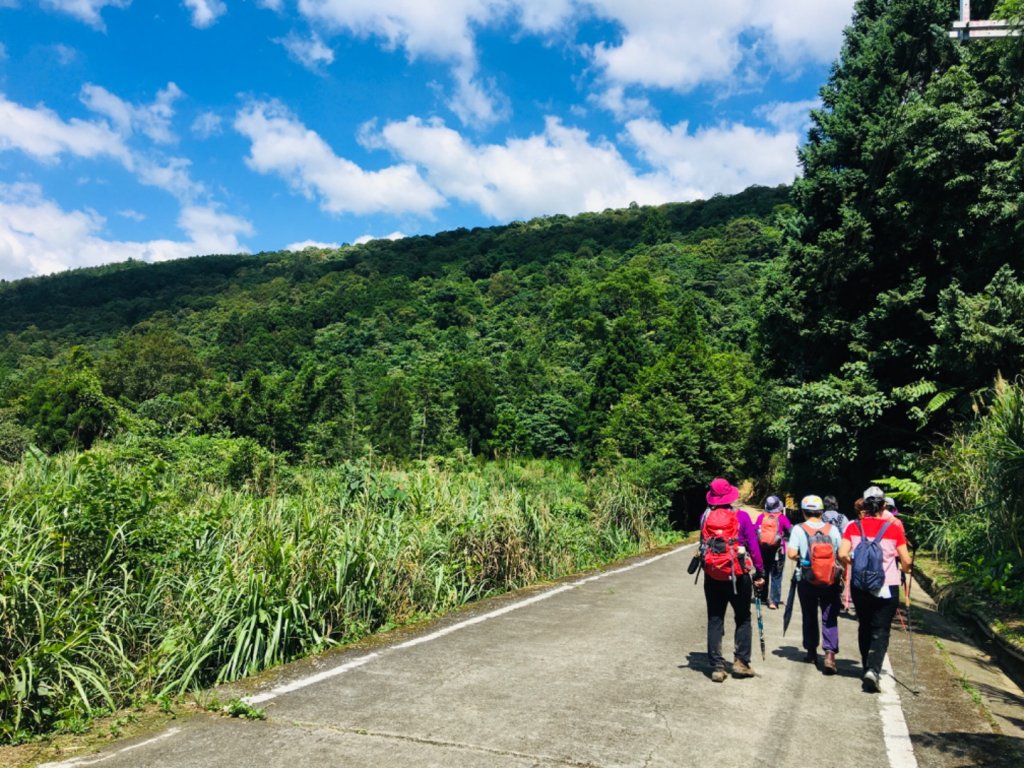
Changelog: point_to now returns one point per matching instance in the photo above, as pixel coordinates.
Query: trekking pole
(788, 613)
(760, 621)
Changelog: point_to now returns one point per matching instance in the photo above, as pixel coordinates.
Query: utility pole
(971, 29)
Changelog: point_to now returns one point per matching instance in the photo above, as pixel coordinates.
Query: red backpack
(822, 571)
(720, 542)
(769, 532)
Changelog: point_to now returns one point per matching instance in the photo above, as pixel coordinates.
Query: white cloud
(43, 134)
(439, 29)
(64, 54)
(170, 174)
(724, 158)
(681, 45)
(558, 171)
(38, 237)
(40, 132)
(212, 231)
(799, 29)
(676, 45)
(311, 244)
(131, 214)
(309, 52)
(474, 103)
(272, 5)
(283, 146)
(206, 125)
(564, 170)
(792, 116)
(153, 120)
(205, 12)
(85, 10)
(615, 100)
(363, 239)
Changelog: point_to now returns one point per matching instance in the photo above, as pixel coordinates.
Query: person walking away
(874, 580)
(833, 515)
(727, 542)
(773, 527)
(814, 545)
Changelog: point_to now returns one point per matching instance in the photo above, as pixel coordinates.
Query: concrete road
(607, 670)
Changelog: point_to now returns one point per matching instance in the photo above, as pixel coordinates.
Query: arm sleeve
(836, 537)
(786, 526)
(749, 538)
(794, 539)
(899, 533)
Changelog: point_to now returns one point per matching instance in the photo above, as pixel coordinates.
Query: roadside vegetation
(127, 577)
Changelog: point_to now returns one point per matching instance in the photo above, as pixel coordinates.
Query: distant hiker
(773, 528)
(833, 515)
(814, 545)
(876, 550)
(727, 542)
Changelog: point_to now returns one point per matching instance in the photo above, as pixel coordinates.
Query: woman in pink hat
(727, 539)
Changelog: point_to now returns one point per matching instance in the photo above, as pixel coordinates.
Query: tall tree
(911, 181)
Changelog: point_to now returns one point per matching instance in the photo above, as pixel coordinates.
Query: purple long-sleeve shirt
(747, 536)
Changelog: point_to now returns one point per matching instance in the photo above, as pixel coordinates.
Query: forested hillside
(623, 334)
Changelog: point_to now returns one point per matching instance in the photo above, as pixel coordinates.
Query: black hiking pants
(719, 595)
(874, 621)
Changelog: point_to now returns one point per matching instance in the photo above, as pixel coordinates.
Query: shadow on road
(697, 661)
(790, 653)
(985, 750)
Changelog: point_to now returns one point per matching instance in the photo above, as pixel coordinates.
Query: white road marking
(75, 762)
(304, 682)
(894, 726)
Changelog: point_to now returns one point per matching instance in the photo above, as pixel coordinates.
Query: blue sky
(158, 129)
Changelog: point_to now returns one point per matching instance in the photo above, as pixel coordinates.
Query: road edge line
(898, 745)
(304, 682)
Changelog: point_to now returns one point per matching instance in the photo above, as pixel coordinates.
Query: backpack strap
(882, 530)
(813, 531)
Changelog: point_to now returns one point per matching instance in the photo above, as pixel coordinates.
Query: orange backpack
(769, 534)
(720, 544)
(823, 569)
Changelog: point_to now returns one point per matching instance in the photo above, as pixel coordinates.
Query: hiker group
(837, 561)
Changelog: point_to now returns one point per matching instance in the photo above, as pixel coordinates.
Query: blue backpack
(868, 571)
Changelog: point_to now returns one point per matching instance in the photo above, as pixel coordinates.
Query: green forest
(214, 465)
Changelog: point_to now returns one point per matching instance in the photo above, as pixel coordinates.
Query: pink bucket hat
(722, 492)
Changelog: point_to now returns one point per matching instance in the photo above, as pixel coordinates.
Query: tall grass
(971, 504)
(121, 577)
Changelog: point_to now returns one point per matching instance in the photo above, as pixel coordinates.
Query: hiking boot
(741, 669)
(772, 606)
(871, 681)
(718, 676)
(811, 657)
(830, 663)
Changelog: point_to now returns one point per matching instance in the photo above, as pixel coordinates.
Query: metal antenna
(971, 29)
